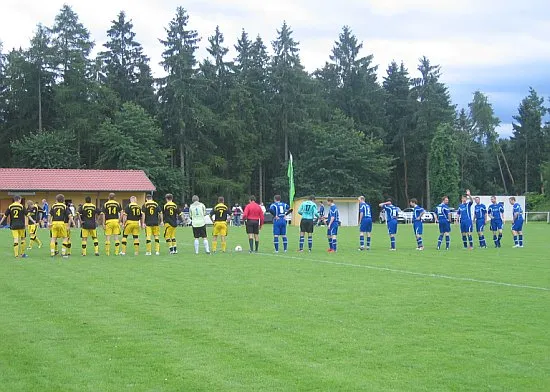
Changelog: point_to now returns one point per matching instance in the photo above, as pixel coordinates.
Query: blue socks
(439, 241)
(392, 242)
(362, 241)
(301, 242)
(276, 243)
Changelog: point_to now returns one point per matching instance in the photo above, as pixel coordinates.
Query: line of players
(116, 222)
(482, 214)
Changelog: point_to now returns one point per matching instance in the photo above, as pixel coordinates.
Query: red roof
(74, 180)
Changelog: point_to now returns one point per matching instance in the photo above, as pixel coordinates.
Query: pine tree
(72, 45)
(287, 78)
(444, 170)
(529, 141)
(126, 69)
(180, 108)
(398, 107)
(351, 84)
(433, 109)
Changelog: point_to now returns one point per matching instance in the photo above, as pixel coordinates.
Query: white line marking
(373, 267)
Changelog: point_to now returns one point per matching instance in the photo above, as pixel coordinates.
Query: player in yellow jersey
(131, 217)
(88, 213)
(170, 215)
(17, 215)
(151, 218)
(111, 223)
(58, 228)
(33, 215)
(220, 217)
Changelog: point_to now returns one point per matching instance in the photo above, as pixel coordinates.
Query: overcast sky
(497, 46)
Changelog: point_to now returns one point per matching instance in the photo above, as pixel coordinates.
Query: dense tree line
(226, 126)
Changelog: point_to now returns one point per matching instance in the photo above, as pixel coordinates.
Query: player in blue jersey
(333, 221)
(480, 213)
(308, 212)
(365, 223)
(418, 226)
(443, 218)
(496, 213)
(321, 219)
(279, 210)
(517, 223)
(465, 217)
(391, 220)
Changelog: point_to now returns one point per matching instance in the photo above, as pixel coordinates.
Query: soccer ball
(238, 248)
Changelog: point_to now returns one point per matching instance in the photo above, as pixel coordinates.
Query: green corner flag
(290, 175)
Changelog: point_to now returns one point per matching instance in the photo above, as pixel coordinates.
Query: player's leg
(22, 240)
(499, 235)
(368, 232)
(96, 241)
(448, 237)
(470, 237)
(84, 241)
(361, 239)
(53, 241)
(214, 243)
(15, 236)
(148, 245)
(196, 241)
(204, 237)
(283, 234)
(302, 240)
(117, 233)
(224, 243)
(276, 233)
(108, 245)
(174, 243)
(520, 238)
(256, 239)
(441, 233)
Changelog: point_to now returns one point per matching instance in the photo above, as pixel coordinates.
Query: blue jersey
(391, 212)
(465, 211)
(495, 211)
(279, 209)
(333, 212)
(365, 209)
(322, 210)
(417, 214)
(442, 211)
(480, 212)
(518, 210)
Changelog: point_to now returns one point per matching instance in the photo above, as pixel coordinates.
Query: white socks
(206, 246)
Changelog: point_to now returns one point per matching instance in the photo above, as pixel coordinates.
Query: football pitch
(351, 321)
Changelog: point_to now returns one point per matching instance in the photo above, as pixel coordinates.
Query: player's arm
(360, 218)
(4, 217)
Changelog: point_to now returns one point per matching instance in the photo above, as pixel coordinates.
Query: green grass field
(352, 321)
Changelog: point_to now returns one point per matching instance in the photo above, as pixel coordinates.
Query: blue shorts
(418, 228)
(496, 225)
(518, 225)
(279, 227)
(444, 227)
(466, 226)
(332, 230)
(366, 226)
(392, 226)
(480, 225)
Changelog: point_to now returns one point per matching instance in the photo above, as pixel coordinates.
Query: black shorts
(252, 227)
(306, 226)
(199, 232)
